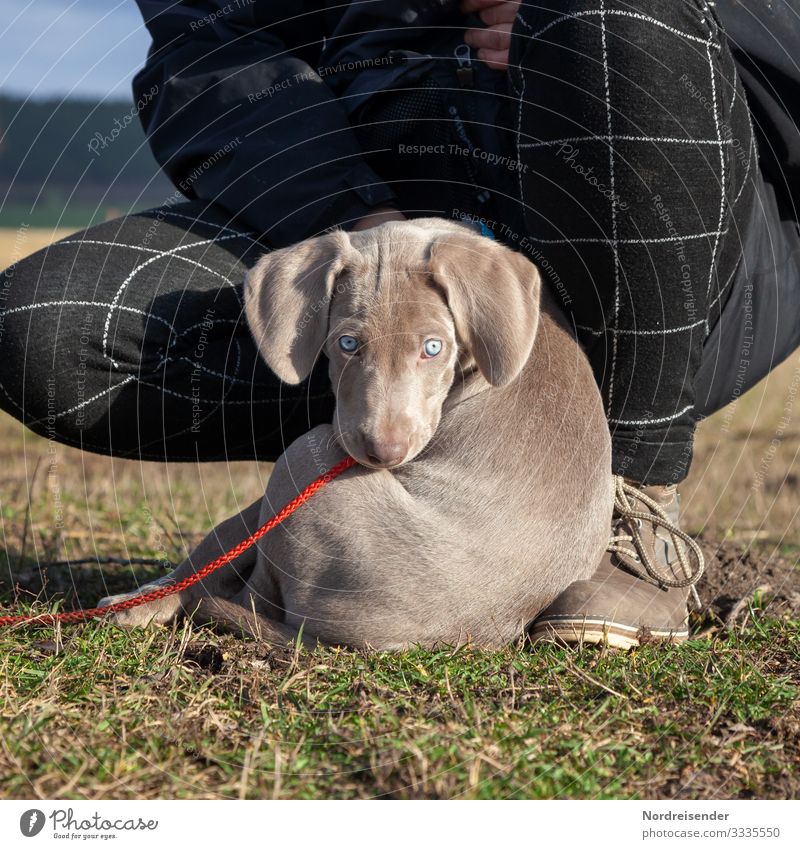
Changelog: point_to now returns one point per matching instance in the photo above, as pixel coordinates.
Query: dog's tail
(236, 619)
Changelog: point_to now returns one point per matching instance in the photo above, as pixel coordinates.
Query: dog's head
(396, 309)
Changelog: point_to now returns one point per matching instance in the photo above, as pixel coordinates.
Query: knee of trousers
(65, 354)
(40, 339)
(55, 341)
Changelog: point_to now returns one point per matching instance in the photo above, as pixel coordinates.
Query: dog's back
(508, 505)
(502, 502)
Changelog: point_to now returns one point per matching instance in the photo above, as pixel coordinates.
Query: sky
(79, 48)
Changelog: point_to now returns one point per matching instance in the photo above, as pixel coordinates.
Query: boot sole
(574, 631)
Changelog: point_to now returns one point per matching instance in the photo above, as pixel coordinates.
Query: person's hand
(494, 40)
(377, 216)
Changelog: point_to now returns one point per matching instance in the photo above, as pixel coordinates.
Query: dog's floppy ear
(287, 298)
(493, 295)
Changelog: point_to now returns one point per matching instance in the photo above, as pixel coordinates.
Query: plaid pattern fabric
(639, 148)
(129, 338)
(636, 161)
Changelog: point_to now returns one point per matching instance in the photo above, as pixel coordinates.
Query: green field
(94, 712)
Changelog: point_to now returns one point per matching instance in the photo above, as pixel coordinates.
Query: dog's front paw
(158, 612)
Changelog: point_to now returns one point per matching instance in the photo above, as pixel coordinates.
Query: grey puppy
(443, 351)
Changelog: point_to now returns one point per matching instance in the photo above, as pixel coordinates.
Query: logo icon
(31, 822)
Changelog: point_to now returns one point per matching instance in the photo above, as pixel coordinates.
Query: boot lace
(625, 509)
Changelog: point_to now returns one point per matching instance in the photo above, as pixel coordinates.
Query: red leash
(95, 612)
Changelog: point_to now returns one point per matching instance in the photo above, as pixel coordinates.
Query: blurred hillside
(70, 163)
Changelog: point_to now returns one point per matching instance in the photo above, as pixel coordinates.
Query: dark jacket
(250, 103)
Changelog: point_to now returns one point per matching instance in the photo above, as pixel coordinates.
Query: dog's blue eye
(349, 344)
(432, 347)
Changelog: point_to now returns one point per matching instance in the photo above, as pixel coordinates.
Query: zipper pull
(464, 71)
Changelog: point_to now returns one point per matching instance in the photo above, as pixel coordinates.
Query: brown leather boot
(639, 592)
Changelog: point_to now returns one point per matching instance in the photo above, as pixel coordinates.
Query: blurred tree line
(74, 162)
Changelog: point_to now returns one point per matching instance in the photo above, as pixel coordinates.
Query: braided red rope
(95, 612)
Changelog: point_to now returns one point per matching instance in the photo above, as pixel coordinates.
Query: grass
(188, 714)
(94, 712)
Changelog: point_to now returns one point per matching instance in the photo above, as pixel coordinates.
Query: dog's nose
(385, 452)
